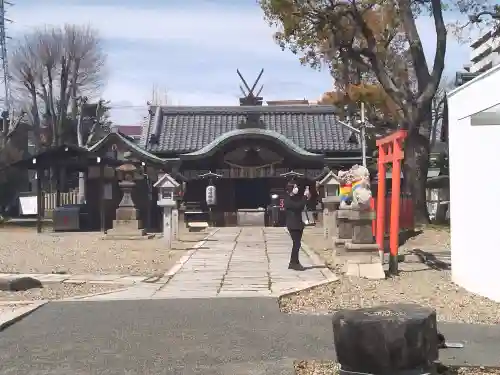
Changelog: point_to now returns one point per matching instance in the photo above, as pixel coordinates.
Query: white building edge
(474, 152)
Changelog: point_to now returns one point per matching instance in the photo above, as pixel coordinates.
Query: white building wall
(475, 187)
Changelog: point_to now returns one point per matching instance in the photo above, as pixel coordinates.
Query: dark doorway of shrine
(251, 193)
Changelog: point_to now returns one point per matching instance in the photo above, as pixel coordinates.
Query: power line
(3, 54)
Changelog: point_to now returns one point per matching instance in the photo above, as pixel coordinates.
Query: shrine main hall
(252, 148)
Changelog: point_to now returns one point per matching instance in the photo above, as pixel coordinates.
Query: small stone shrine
(127, 225)
(386, 340)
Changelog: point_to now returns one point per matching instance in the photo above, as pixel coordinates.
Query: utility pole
(3, 55)
(361, 131)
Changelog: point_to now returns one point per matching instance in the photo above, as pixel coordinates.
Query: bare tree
(92, 123)
(52, 69)
(9, 124)
(439, 110)
(159, 96)
(53, 66)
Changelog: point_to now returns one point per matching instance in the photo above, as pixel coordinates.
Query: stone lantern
(127, 224)
(331, 203)
(167, 187)
(126, 209)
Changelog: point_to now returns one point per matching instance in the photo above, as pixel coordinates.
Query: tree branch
(437, 70)
(378, 67)
(416, 48)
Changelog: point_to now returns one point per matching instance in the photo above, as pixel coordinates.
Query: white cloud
(226, 30)
(192, 51)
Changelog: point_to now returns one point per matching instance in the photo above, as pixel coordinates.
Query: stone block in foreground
(19, 284)
(386, 339)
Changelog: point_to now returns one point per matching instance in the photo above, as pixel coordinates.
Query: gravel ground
(25, 251)
(332, 368)
(57, 291)
(433, 239)
(429, 287)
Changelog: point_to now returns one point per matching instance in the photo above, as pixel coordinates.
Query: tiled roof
(129, 130)
(119, 137)
(187, 129)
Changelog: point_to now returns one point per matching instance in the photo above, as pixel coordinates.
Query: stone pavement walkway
(233, 262)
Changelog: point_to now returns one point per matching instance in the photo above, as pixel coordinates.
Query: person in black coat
(294, 206)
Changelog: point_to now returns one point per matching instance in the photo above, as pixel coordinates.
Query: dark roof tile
(187, 129)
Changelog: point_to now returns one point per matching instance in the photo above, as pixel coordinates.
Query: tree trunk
(415, 167)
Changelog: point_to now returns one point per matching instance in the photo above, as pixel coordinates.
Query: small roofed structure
(61, 160)
(331, 184)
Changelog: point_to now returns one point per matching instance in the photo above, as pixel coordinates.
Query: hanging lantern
(210, 195)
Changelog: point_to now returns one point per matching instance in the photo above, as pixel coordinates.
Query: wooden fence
(406, 219)
(49, 199)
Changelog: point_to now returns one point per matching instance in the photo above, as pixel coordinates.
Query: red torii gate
(390, 151)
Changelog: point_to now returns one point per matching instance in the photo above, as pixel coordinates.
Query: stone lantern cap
(166, 181)
(330, 179)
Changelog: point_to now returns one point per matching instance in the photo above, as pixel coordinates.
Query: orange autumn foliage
(372, 95)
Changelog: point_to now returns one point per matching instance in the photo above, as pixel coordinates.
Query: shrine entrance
(251, 193)
(251, 164)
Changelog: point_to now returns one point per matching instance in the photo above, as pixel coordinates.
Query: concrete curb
(11, 317)
(305, 288)
(51, 279)
(316, 259)
(84, 296)
(327, 273)
(18, 302)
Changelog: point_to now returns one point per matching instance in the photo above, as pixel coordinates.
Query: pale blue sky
(190, 48)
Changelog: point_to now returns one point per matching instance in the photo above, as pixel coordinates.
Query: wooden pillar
(57, 171)
(390, 151)
(395, 207)
(149, 208)
(102, 200)
(380, 226)
(39, 203)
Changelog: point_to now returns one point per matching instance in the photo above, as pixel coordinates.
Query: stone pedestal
(361, 222)
(362, 236)
(331, 205)
(168, 224)
(386, 340)
(344, 226)
(361, 253)
(251, 217)
(182, 217)
(126, 226)
(175, 224)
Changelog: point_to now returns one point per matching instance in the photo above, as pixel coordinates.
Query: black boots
(296, 266)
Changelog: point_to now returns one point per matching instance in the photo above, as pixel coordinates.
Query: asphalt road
(232, 336)
(199, 336)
